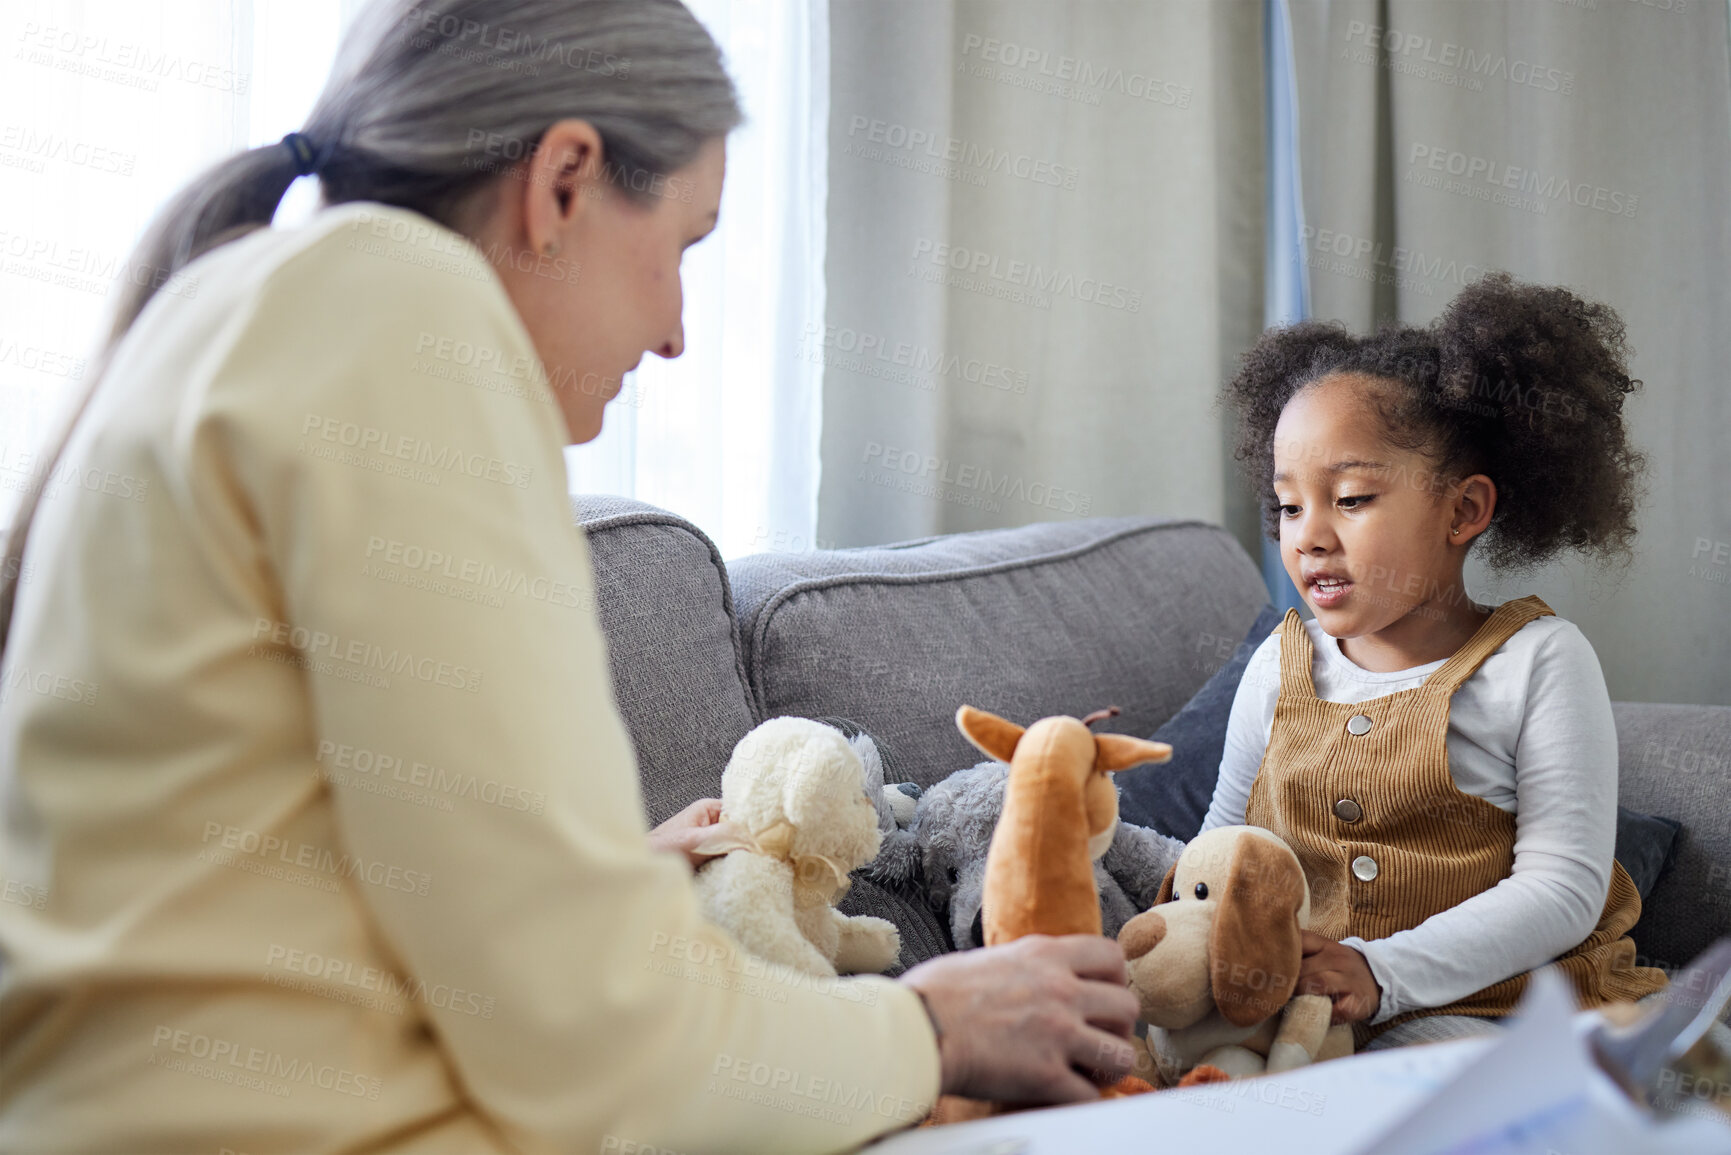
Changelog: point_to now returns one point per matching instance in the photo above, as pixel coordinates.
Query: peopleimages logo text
(318, 643)
(1085, 74)
(977, 263)
(1473, 170)
(863, 347)
(370, 439)
(965, 152)
(966, 476)
(1448, 54)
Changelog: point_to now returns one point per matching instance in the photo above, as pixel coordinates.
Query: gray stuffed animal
(939, 855)
(894, 803)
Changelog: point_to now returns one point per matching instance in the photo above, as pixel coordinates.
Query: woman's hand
(686, 829)
(1017, 1021)
(1341, 973)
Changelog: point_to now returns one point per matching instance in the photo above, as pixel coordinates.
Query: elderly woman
(323, 848)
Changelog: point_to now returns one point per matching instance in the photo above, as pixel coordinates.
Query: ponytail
(423, 100)
(1543, 374)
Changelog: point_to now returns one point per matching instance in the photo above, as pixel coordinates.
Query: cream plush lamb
(798, 814)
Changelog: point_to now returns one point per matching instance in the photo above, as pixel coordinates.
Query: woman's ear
(563, 174)
(1253, 947)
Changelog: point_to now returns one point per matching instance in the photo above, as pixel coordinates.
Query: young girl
(1446, 771)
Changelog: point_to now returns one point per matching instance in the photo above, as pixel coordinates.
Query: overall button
(1358, 724)
(1364, 866)
(1347, 810)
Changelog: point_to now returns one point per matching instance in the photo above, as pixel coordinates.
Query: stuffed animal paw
(868, 945)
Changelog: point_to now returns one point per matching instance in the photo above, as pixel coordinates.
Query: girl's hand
(686, 829)
(1341, 973)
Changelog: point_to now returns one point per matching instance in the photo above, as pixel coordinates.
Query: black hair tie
(308, 160)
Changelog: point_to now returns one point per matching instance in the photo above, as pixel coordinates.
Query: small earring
(1454, 531)
(549, 248)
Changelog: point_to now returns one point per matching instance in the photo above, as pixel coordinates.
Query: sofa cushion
(1676, 761)
(678, 673)
(1057, 617)
(1644, 845)
(1173, 796)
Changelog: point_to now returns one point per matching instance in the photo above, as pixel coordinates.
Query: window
(112, 105)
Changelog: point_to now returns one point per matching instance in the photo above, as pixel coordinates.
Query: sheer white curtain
(727, 435)
(108, 106)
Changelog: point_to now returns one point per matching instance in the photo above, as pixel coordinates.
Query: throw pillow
(1173, 796)
(1645, 843)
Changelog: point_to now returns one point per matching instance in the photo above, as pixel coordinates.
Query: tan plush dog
(1215, 963)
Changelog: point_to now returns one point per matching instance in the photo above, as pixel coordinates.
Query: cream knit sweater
(319, 829)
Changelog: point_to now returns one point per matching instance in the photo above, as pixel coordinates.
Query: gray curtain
(1580, 143)
(1045, 250)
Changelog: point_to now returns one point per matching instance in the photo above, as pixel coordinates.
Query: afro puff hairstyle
(1523, 383)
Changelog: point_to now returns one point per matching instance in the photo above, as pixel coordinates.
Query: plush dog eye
(1202, 890)
(953, 875)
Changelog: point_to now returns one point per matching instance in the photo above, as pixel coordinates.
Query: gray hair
(429, 101)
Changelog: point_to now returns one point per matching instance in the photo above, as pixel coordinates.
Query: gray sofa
(1059, 617)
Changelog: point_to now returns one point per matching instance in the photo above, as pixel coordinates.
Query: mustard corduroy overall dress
(1362, 793)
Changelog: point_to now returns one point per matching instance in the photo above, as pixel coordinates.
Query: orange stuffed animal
(1059, 804)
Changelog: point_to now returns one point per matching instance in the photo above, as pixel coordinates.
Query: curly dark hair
(1523, 383)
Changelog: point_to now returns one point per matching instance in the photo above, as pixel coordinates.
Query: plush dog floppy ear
(1253, 947)
(1165, 893)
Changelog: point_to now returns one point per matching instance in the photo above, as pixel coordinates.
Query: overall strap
(1295, 657)
(1502, 625)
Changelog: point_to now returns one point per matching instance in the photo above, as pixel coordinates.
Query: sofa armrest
(1675, 761)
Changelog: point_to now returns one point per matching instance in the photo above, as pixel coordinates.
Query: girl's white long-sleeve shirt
(1531, 732)
(319, 827)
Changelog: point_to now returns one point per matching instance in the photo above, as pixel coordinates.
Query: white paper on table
(1537, 1091)
(1531, 1090)
(1326, 1109)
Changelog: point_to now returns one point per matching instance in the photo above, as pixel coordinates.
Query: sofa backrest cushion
(1173, 796)
(1052, 618)
(1675, 761)
(678, 671)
